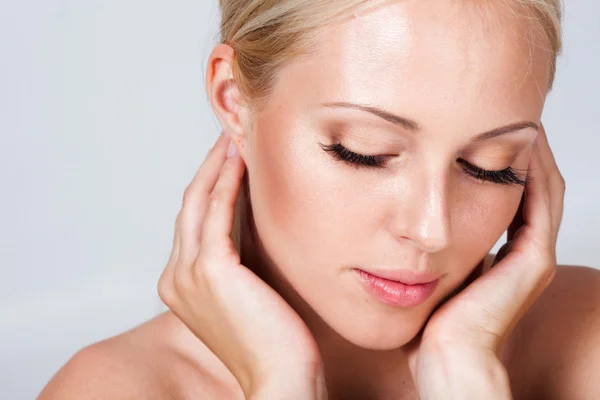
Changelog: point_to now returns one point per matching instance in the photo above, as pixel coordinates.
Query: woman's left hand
(456, 356)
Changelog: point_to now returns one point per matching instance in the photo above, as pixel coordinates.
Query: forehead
(426, 59)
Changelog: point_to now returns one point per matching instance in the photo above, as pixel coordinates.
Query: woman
(377, 152)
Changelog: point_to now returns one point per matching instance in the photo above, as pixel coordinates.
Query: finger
(218, 221)
(536, 206)
(547, 155)
(556, 182)
(168, 275)
(176, 242)
(474, 275)
(494, 302)
(518, 220)
(195, 199)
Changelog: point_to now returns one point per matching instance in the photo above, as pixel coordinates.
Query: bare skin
(555, 353)
(422, 210)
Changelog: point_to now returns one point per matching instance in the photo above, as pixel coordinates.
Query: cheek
(483, 216)
(308, 212)
(289, 198)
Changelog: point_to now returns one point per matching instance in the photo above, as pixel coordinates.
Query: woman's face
(454, 70)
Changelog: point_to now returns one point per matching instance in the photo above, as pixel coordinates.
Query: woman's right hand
(240, 318)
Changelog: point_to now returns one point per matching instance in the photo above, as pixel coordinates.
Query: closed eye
(341, 153)
(507, 176)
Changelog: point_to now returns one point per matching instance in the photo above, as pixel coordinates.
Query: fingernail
(231, 150)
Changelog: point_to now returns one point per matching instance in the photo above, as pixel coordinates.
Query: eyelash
(506, 176)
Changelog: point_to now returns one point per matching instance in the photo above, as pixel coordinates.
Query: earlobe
(225, 97)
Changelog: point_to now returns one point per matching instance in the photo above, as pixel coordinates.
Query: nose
(424, 217)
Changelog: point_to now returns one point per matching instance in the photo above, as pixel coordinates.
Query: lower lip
(397, 293)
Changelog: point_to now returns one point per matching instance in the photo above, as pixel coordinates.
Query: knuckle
(202, 261)
(182, 282)
(178, 220)
(166, 290)
(199, 273)
(188, 194)
(214, 200)
(207, 268)
(219, 197)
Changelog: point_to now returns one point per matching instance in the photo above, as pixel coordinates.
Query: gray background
(104, 120)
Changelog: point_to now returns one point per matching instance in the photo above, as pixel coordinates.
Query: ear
(225, 98)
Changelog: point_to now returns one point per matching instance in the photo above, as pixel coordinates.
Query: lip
(405, 276)
(414, 290)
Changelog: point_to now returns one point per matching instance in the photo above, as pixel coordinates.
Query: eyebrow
(415, 127)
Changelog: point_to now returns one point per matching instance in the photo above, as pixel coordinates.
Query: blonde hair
(265, 34)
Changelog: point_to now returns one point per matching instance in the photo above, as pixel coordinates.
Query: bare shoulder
(159, 359)
(557, 353)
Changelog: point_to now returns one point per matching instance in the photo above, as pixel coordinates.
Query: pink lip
(398, 293)
(405, 276)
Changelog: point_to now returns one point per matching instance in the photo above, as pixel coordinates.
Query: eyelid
(507, 176)
(494, 154)
(342, 153)
(370, 134)
(471, 165)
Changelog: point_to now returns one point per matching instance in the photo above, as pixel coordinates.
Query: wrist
(460, 372)
(296, 385)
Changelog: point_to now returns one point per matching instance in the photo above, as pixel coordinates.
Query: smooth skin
(175, 353)
(205, 265)
(502, 331)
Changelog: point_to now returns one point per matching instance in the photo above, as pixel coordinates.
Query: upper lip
(406, 276)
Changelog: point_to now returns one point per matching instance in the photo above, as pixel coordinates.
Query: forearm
(462, 373)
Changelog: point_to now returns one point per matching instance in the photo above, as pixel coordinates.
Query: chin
(375, 330)
(382, 338)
